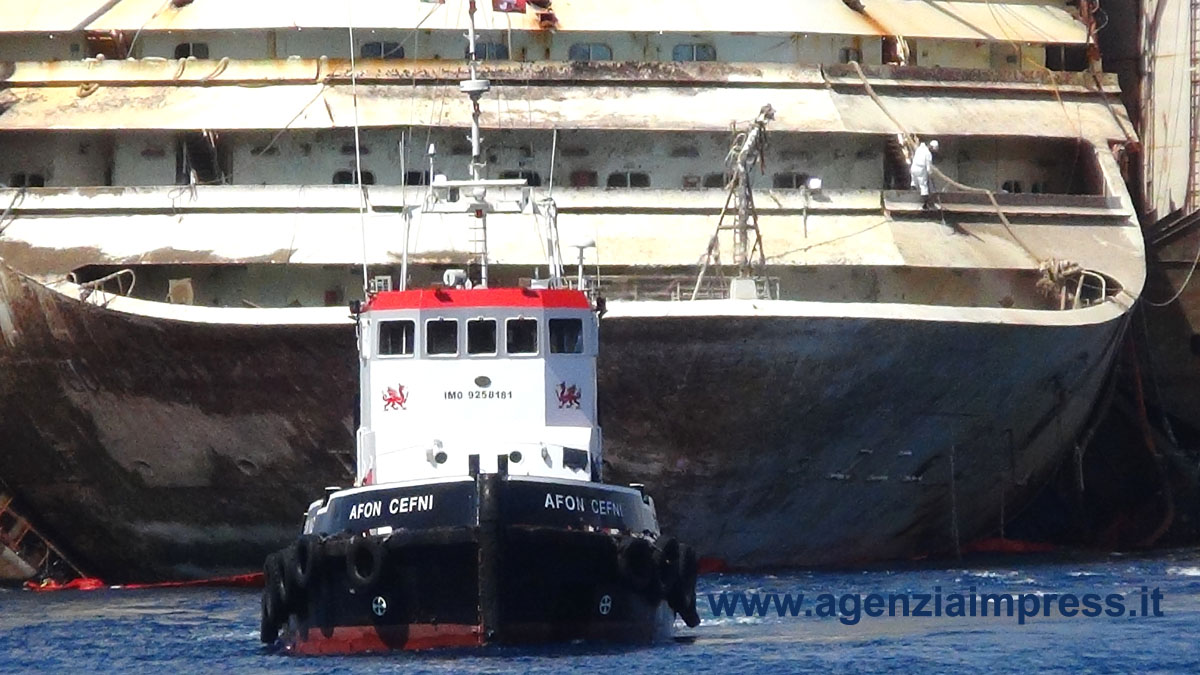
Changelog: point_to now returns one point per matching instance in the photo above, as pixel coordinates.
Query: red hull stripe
(359, 639)
(450, 298)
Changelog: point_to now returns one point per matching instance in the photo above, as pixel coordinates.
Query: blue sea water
(207, 630)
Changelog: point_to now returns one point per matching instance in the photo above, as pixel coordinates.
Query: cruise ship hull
(772, 433)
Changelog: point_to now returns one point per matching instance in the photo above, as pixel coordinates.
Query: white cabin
(457, 382)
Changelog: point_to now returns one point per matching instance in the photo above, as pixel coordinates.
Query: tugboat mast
(475, 87)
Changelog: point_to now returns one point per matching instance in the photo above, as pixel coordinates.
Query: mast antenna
(475, 87)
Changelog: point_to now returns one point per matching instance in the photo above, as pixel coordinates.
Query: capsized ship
(184, 235)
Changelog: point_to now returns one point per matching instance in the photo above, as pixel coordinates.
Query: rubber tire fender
(364, 550)
(276, 563)
(685, 595)
(271, 605)
(308, 559)
(635, 564)
(667, 559)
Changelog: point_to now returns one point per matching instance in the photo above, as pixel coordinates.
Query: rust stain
(173, 255)
(44, 260)
(446, 257)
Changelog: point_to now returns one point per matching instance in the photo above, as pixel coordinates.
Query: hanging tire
(364, 561)
(270, 623)
(666, 559)
(276, 579)
(307, 559)
(635, 564)
(685, 595)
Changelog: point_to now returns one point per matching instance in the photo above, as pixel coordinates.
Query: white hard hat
(933, 145)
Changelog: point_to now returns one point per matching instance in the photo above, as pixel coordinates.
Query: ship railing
(1084, 275)
(673, 287)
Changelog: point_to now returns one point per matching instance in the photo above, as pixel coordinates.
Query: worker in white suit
(921, 171)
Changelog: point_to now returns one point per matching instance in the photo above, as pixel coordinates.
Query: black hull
(150, 449)
(500, 578)
(552, 588)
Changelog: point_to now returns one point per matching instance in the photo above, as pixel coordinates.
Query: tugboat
(478, 514)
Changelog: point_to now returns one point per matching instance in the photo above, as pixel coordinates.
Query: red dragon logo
(394, 399)
(568, 397)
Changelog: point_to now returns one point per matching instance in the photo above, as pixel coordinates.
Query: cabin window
(441, 337)
(521, 336)
(382, 50)
(694, 52)
(22, 179)
(198, 50)
(489, 51)
(344, 177)
(1012, 187)
(481, 336)
(1040, 187)
(632, 179)
(848, 54)
(416, 178)
(790, 180)
(532, 178)
(566, 336)
(715, 180)
(396, 338)
(584, 178)
(589, 51)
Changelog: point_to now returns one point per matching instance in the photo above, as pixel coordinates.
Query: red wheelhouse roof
(452, 298)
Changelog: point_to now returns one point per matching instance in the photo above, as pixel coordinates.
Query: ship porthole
(515, 456)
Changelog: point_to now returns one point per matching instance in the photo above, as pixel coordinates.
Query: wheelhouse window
(397, 338)
(481, 336)
(521, 336)
(198, 50)
(694, 52)
(441, 337)
(589, 51)
(382, 50)
(566, 336)
(630, 179)
(489, 51)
